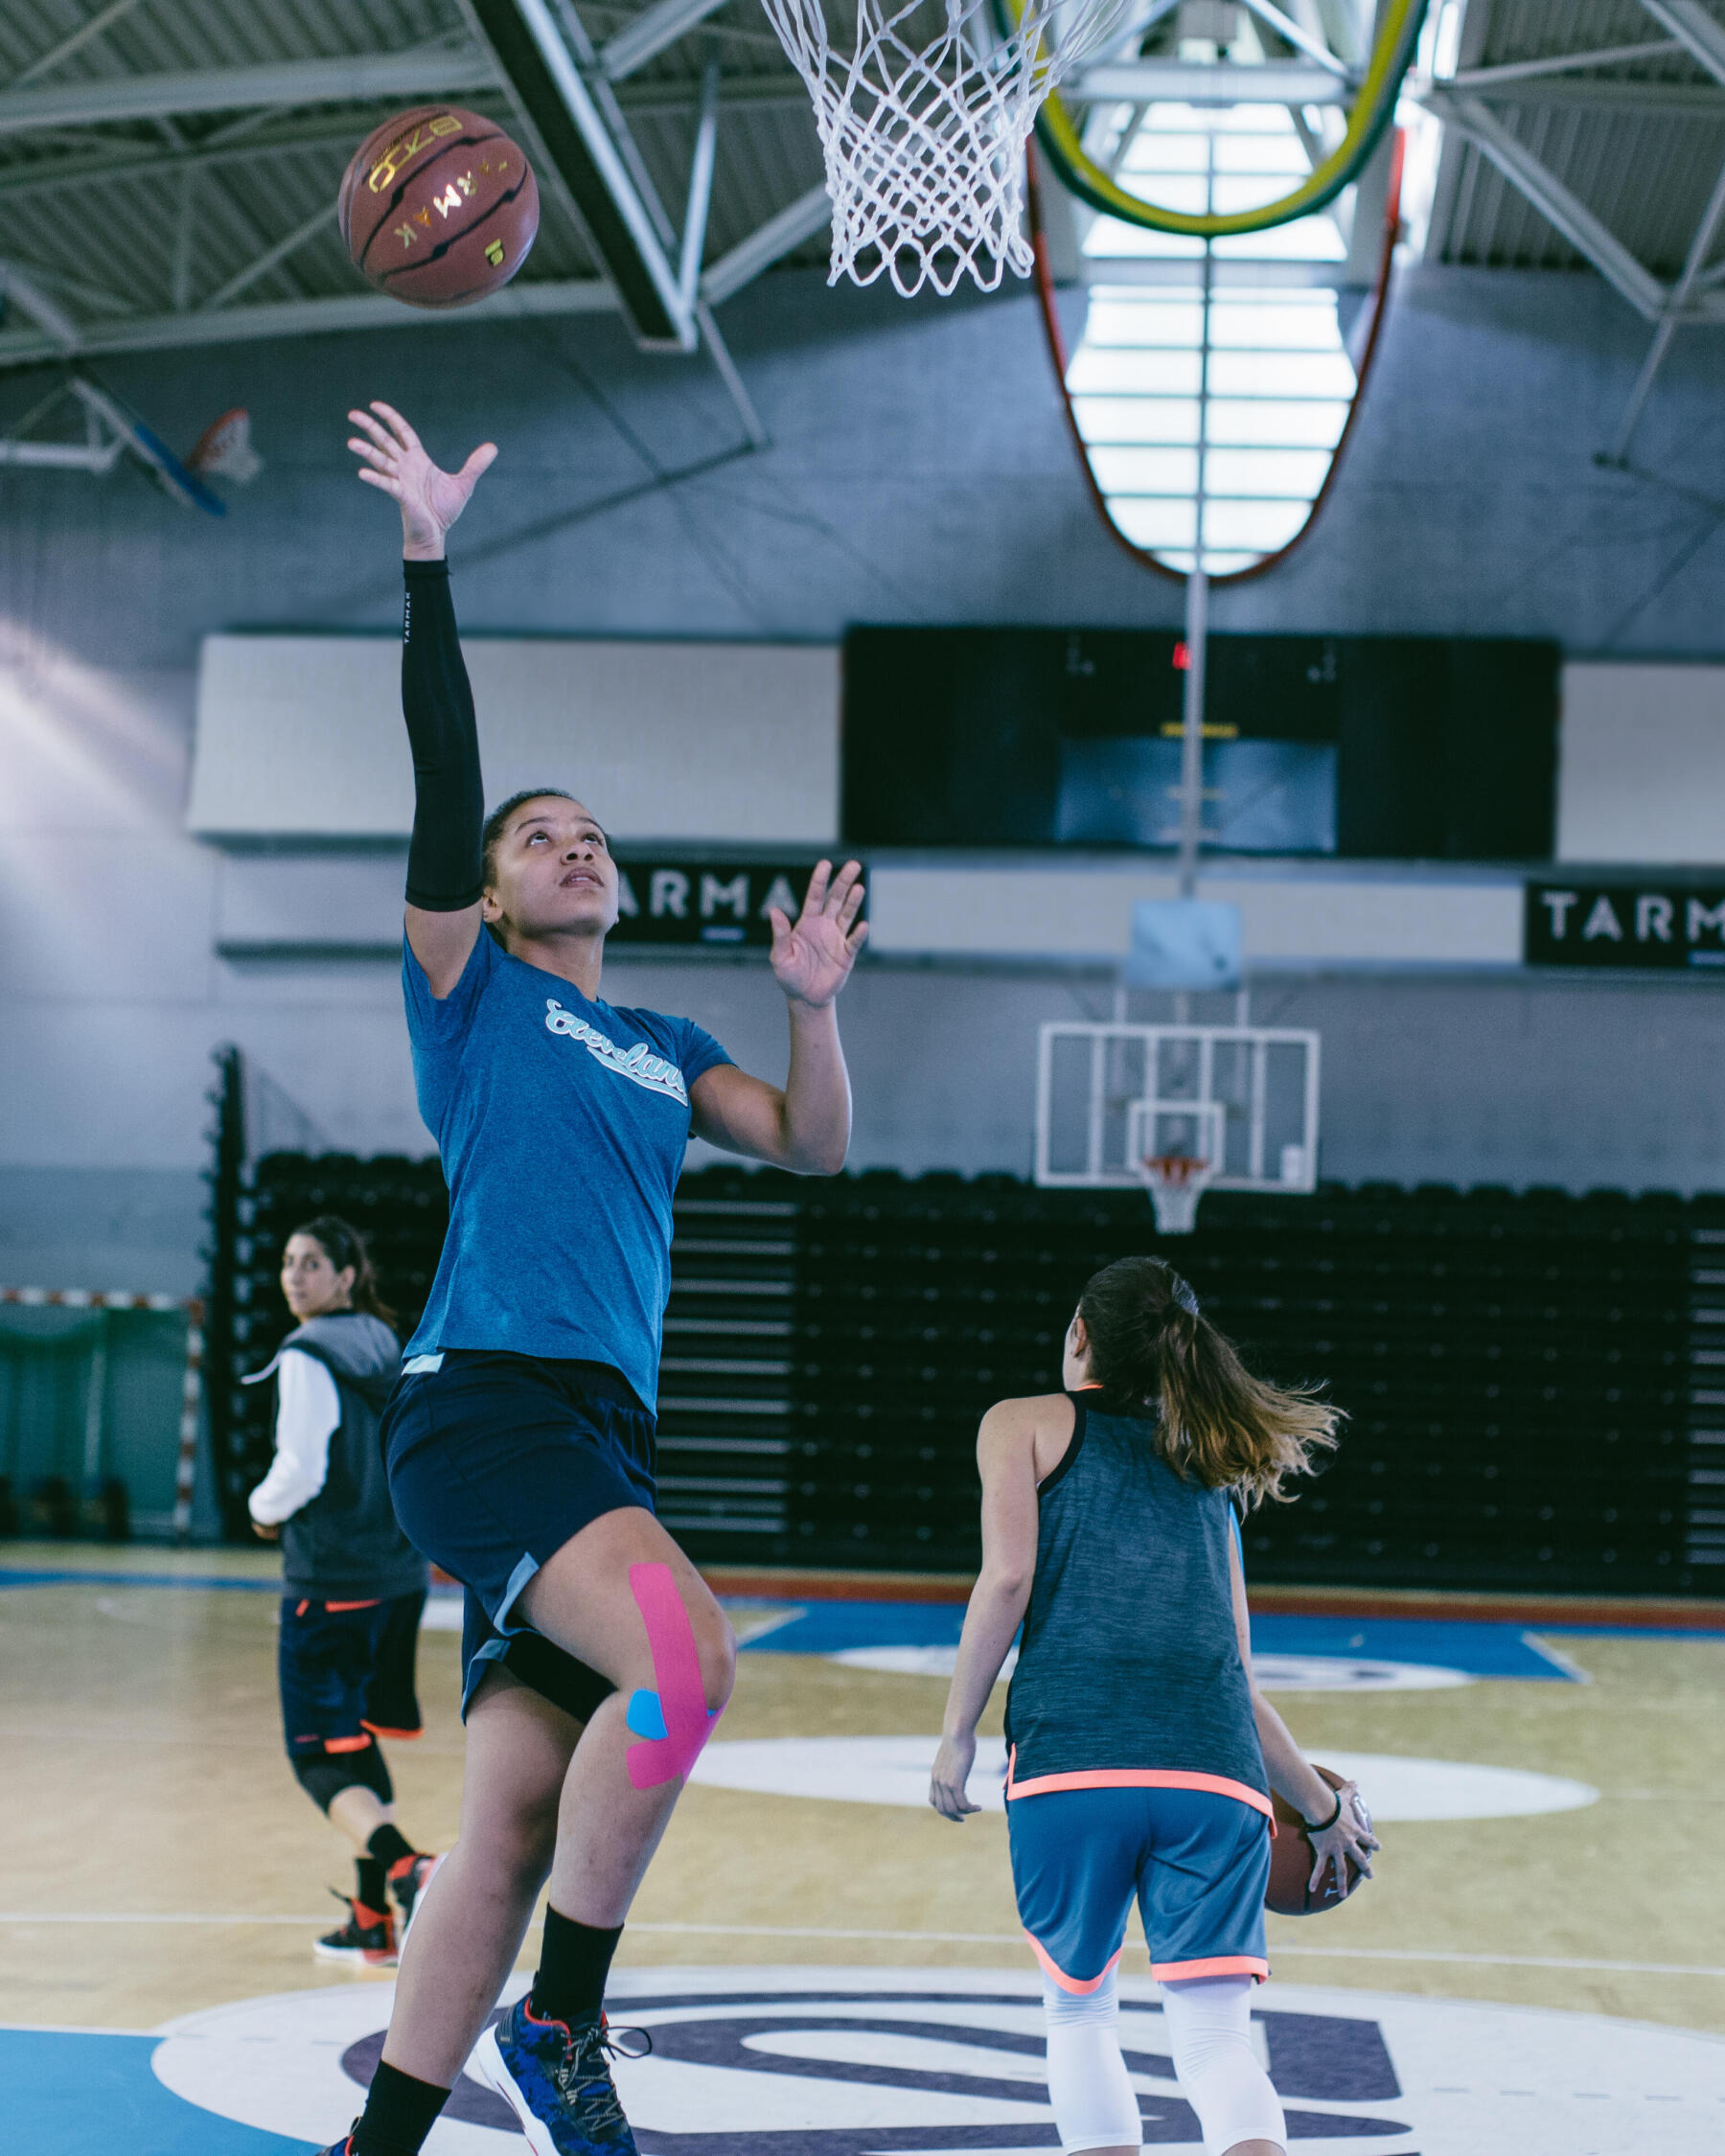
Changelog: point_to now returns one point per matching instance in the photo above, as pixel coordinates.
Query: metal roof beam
(1301, 40)
(356, 79)
(262, 265)
(1597, 93)
(1681, 295)
(1172, 81)
(800, 220)
(557, 107)
(650, 32)
(1555, 63)
(301, 318)
(104, 19)
(1562, 209)
(1700, 35)
(22, 291)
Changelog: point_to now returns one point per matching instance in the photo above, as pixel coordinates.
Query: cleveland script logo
(639, 1064)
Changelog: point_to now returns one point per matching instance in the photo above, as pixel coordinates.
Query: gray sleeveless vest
(344, 1546)
(1129, 1658)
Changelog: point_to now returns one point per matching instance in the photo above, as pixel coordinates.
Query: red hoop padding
(1175, 1167)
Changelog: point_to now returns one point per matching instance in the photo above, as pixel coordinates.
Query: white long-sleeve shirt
(308, 1415)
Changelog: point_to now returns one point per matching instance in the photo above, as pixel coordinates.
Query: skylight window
(1212, 380)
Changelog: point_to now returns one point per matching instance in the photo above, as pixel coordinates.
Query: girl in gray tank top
(1140, 1752)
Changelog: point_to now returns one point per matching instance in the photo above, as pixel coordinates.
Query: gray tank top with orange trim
(1129, 1658)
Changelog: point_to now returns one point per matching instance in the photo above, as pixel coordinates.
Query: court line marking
(955, 1939)
(1416, 1954)
(1557, 1657)
(80, 1917)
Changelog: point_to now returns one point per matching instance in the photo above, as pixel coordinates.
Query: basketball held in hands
(1291, 1862)
(438, 207)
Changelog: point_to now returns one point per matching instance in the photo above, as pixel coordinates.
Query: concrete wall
(920, 472)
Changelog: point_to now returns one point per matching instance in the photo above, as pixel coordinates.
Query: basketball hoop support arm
(1191, 735)
(1197, 637)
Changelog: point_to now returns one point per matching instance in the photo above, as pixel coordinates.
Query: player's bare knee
(715, 1647)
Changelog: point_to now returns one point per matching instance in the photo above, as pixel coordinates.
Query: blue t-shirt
(563, 1125)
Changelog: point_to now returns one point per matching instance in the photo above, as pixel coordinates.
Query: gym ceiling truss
(1606, 118)
(192, 147)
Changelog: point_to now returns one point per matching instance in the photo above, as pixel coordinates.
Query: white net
(1176, 1182)
(924, 124)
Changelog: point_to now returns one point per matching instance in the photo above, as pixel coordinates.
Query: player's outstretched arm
(806, 1126)
(444, 877)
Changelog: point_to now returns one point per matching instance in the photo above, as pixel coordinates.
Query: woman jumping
(521, 1436)
(1137, 1741)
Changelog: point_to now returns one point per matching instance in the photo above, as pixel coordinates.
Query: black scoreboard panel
(1445, 748)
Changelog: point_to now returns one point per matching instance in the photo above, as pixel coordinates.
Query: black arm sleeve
(443, 872)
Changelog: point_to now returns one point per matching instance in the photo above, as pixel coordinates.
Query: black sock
(574, 1960)
(389, 1845)
(370, 1893)
(400, 2112)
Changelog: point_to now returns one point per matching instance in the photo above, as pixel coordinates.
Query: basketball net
(925, 140)
(1176, 1182)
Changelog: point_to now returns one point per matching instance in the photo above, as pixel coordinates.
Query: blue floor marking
(1483, 1649)
(73, 2094)
(20, 1577)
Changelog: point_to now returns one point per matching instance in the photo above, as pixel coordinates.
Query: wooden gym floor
(158, 1858)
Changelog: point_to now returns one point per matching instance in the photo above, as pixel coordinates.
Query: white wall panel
(1294, 922)
(1641, 773)
(302, 736)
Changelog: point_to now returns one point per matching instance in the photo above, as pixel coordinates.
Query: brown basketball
(1291, 1861)
(438, 207)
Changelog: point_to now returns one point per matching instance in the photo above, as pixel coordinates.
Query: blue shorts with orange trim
(1196, 1862)
(347, 1673)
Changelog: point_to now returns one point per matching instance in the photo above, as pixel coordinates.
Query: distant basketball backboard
(1242, 1099)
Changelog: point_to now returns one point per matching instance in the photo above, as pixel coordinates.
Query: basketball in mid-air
(1291, 1861)
(438, 207)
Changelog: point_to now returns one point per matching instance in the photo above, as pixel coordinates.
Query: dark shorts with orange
(347, 1673)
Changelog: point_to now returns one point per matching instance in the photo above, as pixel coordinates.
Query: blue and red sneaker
(342, 2148)
(557, 2080)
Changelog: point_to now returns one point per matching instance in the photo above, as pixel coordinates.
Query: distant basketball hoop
(1175, 1147)
(1175, 1110)
(1176, 1182)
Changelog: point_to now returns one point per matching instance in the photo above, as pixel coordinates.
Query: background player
(1137, 1741)
(520, 1439)
(355, 1585)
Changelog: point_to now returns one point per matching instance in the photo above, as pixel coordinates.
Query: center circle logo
(944, 2062)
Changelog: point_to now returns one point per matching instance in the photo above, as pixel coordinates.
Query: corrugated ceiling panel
(1642, 162)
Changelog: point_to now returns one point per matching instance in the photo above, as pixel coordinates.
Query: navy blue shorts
(527, 1655)
(1196, 1863)
(347, 1673)
(496, 1460)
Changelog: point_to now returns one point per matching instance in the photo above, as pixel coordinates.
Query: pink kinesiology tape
(676, 1666)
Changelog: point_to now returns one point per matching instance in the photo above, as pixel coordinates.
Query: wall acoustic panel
(1292, 922)
(300, 737)
(1641, 768)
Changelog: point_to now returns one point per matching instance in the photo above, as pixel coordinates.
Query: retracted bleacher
(1534, 1381)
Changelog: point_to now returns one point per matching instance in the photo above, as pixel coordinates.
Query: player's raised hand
(811, 959)
(393, 458)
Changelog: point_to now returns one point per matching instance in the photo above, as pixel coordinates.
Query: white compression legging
(1209, 2022)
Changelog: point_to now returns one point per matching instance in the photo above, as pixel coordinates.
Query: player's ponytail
(343, 1245)
(1152, 1347)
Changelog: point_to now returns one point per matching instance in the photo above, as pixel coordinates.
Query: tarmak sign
(722, 905)
(1663, 928)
